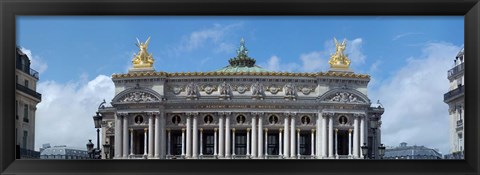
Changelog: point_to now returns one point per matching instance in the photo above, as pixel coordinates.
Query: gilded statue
(142, 59)
(339, 59)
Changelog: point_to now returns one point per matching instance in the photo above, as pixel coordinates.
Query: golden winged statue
(142, 59)
(339, 59)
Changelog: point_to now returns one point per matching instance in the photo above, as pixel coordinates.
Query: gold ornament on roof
(142, 59)
(339, 59)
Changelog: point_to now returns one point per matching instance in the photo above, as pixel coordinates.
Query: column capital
(168, 129)
(336, 129)
(201, 129)
(145, 129)
(233, 129)
(281, 129)
(298, 129)
(313, 130)
(328, 114)
(266, 129)
(122, 113)
(183, 129)
(131, 130)
(349, 130)
(248, 129)
(215, 129)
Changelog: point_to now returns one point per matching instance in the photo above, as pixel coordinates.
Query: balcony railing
(453, 93)
(455, 70)
(28, 70)
(29, 91)
(459, 123)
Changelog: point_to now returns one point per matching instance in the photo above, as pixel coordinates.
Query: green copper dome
(242, 62)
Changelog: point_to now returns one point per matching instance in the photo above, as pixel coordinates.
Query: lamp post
(364, 150)
(97, 120)
(381, 151)
(373, 125)
(106, 150)
(90, 149)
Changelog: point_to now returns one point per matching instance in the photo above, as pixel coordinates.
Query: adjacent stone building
(411, 152)
(455, 98)
(26, 100)
(240, 111)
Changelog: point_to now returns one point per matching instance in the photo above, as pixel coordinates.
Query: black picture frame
(470, 9)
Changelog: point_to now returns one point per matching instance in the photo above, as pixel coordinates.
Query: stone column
(330, 137)
(355, 137)
(145, 142)
(162, 130)
(227, 136)
(201, 141)
(189, 137)
(215, 141)
(169, 142)
(318, 140)
(248, 142)
(349, 142)
(195, 138)
(183, 141)
(221, 136)
(286, 142)
(312, 144)
(324, 136)
(280, 142)
(336, 142)
(260, 137)
(157, 137)
(298, 143)
(362, 132)
(292, 137)
(131, 142)
(150, 136)
(233, 142)
(125, 137)
(266, 142)
(254, 137)
(118, 136)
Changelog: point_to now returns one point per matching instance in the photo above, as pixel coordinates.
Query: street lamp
(364, 150)
(374, 126)
(90, 148)
(381, 151)
(97, 120)
(106, 149)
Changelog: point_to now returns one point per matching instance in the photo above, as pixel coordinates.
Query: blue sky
(75, 54)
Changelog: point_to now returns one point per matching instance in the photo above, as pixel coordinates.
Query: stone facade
(240, 114)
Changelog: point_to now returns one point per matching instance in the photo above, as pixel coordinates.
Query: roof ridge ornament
(339, 60)
(142, 61)
(242, 59)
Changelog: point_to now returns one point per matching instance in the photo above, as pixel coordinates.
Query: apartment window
(26, 83)
(16, 78)
(16, 109)
(25, 113)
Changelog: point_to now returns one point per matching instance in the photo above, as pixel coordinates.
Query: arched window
(305, 120)
(273, 119)
(241, 119)
(176, 119)
(208, 119)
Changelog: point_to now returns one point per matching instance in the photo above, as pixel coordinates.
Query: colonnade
(322, 137)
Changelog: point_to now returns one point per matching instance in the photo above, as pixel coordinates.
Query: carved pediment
(344, 97)
(138, 96)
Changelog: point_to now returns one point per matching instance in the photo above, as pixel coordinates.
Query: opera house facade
(240, 111)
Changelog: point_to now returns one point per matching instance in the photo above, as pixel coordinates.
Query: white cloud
(413, 99)
(214, 36)
(36, 62)
(313, 62)
(64, 116)
(273, 64)
(396, 37)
